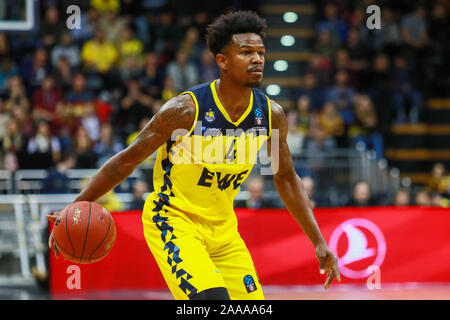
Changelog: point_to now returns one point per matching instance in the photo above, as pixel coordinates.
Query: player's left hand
(51, 241)
(327, 263)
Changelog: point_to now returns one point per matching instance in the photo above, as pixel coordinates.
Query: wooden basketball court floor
(410, 291)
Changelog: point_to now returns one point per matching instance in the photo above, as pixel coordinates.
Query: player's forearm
(112, 173)
(296, 200)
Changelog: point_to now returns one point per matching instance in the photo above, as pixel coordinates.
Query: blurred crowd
(359, 82)
(73, 98)
(436, 192)
(86, 93)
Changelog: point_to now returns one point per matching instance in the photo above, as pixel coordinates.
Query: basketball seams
(87, 231)
(67, 231)
(81, 259)
(60, 248)
(106, 235)
(80, 250)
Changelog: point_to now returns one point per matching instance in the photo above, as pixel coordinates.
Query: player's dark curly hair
(221, 31)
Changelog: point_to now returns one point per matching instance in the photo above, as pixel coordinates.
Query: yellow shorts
(191, 261)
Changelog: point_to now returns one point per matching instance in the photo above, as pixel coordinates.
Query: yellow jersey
(200, 172)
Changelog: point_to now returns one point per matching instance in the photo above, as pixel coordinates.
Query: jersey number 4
(231, 153)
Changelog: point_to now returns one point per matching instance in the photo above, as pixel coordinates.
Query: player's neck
(234, 97)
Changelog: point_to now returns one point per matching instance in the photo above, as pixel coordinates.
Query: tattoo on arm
(177, 113)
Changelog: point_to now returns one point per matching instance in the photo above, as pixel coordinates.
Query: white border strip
(28, 25)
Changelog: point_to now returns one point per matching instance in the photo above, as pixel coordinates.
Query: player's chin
(254, 83)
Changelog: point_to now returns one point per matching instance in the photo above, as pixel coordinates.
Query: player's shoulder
(178, 112)
(275, 106)
(200, 93)
(277, 114)
(184, 106)
(181, 103)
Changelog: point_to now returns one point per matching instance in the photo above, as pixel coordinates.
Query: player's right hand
(51, 242)
(327, 263)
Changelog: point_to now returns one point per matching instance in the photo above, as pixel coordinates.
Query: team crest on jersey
(249, 283)
(258, 116)
(209, 116)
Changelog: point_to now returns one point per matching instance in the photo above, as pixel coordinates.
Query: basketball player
(189, 222)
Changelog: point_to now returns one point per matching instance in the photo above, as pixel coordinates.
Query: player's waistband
(154, 201)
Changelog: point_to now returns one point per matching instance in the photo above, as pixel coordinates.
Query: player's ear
(222, 61)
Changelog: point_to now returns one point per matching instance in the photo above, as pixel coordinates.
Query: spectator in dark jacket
(256, 199)
(57, 180)
(361, 196)
(140, 188)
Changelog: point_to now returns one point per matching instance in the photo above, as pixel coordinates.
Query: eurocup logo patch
(209, 116)
(258, 116)
(249, 283)
(358, 243)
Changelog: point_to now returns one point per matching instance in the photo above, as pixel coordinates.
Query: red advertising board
(410, 244)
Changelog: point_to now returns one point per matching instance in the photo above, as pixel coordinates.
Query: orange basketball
(84, 232)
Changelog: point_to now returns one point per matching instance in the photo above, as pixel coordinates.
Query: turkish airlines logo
(358, 244)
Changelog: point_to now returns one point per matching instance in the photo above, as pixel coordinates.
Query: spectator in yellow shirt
(168, 91)
(110, 201)
(105, 5)
(332, 122)
(129, 46)
(99, 55)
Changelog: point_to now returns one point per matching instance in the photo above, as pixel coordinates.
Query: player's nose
(257, 59)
